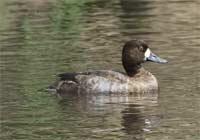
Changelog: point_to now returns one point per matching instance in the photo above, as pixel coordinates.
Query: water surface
(41, 38)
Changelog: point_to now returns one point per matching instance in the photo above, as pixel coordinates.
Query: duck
(134, 81)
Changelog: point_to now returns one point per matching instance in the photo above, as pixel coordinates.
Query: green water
(42, 38)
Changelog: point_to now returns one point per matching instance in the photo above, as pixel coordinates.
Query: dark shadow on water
(134, 6)
(136, 123)
(133, 121)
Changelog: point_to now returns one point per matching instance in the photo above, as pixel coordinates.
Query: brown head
(136, 52)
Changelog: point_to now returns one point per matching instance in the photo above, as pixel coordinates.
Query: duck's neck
(133, 70)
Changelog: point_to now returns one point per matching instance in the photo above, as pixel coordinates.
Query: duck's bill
(154, 58)
(149, 56)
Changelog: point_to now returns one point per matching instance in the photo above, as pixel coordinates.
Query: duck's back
(107, 82)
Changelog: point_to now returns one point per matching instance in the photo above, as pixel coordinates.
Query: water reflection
(133, 117)
(136, 124)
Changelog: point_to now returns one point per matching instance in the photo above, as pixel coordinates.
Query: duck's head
(136, 52)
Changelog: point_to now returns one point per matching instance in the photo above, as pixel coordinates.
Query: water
(40, 38)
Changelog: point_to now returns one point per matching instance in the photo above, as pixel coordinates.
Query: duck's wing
(91, 81)
(113, 75)
(71, 76)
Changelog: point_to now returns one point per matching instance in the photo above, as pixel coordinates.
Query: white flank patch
(147, 53)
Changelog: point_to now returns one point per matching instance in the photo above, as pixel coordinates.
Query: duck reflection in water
(110, 118)
(136, 123)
